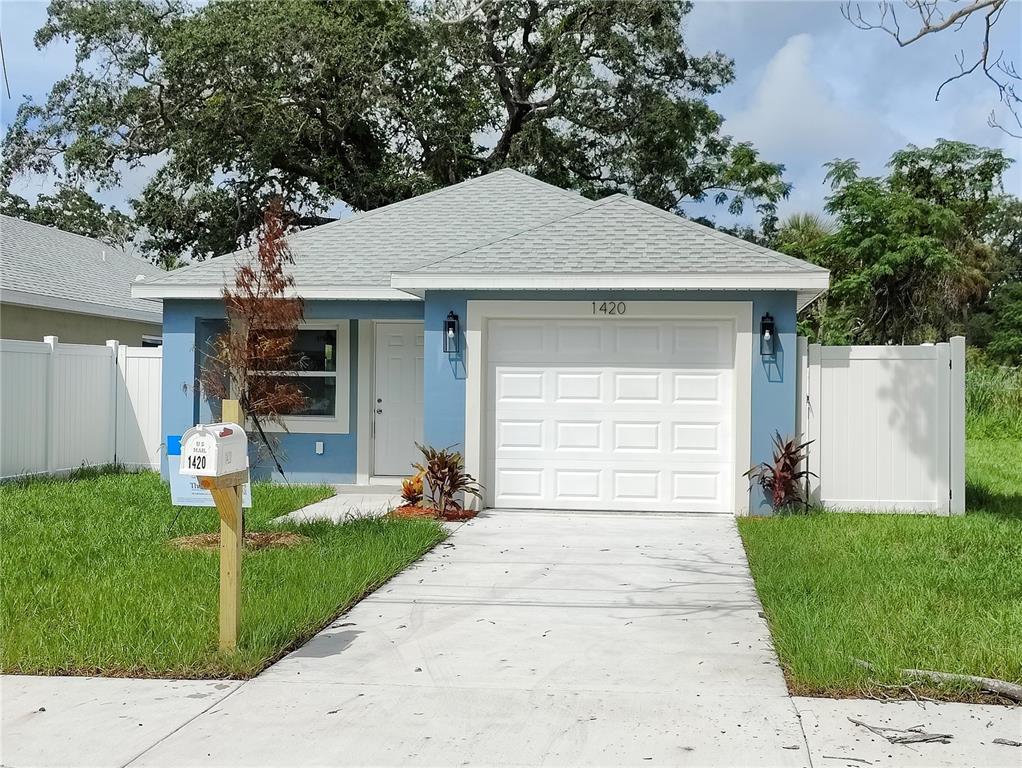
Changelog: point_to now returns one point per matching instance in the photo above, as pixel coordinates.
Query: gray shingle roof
(365, 249)
(503, 223)
(45, 262)
(618, 235)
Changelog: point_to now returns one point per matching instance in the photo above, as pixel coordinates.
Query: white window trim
(481, 312)
(323, 425)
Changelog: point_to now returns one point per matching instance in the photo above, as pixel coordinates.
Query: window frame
(316, 424)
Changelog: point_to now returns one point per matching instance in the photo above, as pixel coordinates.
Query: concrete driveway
(528, 639)
(525, 639)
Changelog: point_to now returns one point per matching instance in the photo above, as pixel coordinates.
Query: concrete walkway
(349, 501)
(525, 639)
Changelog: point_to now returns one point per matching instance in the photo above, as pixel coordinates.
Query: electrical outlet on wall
(319, 447)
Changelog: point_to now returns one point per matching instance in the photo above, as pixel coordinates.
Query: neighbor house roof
(508, 230)
(49, 268)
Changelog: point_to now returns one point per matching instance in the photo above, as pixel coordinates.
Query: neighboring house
(583, 354)
(55, 283)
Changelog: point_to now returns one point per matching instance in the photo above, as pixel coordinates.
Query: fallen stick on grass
(1003, 688)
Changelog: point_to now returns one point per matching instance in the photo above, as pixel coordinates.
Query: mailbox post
(217, 455)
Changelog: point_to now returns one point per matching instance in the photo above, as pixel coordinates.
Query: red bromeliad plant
(783, 480)
(263, 315)
(445, 476)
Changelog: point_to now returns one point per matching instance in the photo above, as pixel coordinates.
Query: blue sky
(809, 88)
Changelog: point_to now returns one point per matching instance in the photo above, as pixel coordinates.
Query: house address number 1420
(608, 307)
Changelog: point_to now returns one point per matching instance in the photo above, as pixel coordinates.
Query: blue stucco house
(582, 354)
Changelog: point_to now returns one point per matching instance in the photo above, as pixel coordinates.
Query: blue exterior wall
(187, 325)
(773, 382)
(187, 328)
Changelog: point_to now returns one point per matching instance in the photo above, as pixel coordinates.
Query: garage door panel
(640, 387)
(578, 484)
(611, 414)
(520, 386)
(696, 486)
(581, 340)
(515, 434)
(575, 387)
(646, 339)
(694, 343)
(578, 435)
(637, 436)
(698, 387)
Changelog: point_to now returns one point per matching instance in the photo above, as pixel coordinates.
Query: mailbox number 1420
(608, 307)
(196, 461)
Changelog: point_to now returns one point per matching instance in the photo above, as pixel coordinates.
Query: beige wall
(31, 324)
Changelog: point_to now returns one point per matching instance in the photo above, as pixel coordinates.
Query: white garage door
(611, 414)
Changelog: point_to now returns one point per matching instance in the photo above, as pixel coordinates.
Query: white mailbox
(214, 450)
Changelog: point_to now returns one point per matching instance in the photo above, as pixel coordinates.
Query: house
(56, 283)
(582, 354)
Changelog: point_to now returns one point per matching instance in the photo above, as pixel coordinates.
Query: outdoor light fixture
(451, 333)
(767, 341)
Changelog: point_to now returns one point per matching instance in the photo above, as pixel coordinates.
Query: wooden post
(231, 411)
(227, 493)
(228, 501)
(232, 540)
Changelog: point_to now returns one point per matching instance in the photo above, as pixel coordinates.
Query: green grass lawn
(91, 586)
(899, 591)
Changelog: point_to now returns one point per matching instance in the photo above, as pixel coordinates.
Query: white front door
(611, 414)
(397, 402)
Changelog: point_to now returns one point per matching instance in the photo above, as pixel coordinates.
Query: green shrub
(993, 401)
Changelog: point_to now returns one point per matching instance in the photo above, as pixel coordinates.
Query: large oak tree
(236, 103)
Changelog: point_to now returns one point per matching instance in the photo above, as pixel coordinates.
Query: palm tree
(801, 234)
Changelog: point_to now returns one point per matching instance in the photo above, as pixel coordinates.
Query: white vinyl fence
(68, 405)
(887, 425)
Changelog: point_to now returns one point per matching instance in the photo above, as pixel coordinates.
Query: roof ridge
(532, 227)
(783, 258)
(569, 193)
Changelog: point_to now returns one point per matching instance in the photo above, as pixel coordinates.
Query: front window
(311, 364)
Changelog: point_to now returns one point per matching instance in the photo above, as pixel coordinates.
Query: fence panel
(884, 425)
(139, 406)
(65, 405)
(82, 407)
(24, 380)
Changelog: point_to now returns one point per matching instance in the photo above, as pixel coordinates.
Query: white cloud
(794, 116)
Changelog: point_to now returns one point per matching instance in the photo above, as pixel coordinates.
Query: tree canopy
(236, 103)
(914, 252)
(71, 209)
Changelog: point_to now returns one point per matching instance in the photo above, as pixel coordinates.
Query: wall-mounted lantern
(767, 336)
(451, 333)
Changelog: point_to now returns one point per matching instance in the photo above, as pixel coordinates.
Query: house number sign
(608, 307)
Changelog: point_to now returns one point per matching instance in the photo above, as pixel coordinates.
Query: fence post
(942, 429)
(813, 408)
(50, 418)
(114, 346)
(956, 395)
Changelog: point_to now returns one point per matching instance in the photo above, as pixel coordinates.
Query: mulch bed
(452, 515)
(253, 541)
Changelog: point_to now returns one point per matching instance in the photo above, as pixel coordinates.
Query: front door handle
(379, 410)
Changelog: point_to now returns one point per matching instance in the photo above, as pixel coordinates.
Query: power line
(3, 62)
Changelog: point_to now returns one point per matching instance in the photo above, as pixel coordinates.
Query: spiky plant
(783, 479)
